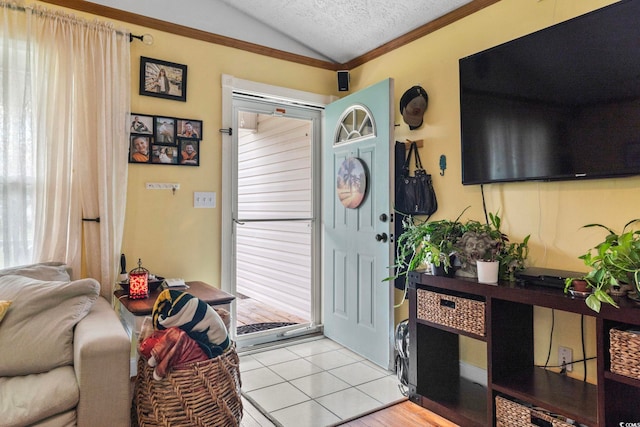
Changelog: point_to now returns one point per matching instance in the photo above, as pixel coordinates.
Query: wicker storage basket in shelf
(625, 351)
(199, 394)
(513, 414)
(455, 312)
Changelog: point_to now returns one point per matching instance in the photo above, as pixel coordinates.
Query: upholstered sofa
(64, 354)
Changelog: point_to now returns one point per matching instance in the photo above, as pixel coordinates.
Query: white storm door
(357, 304)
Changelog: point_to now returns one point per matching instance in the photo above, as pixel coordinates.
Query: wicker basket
(512, 414)
(624, 349)
(455, 312)
(199, 394)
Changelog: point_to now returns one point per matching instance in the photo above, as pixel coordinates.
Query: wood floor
(250, 311)
(406, 414)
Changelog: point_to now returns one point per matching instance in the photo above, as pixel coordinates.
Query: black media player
(538, 276)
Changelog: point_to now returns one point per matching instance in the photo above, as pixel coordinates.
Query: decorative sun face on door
(355, 123)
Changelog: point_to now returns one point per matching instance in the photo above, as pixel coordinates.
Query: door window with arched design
(355, 123)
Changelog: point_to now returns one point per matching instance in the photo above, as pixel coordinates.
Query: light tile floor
(314, 383)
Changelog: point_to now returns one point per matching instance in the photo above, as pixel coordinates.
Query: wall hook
(443, 164)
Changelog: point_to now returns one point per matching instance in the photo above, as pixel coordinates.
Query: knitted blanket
(175, 308)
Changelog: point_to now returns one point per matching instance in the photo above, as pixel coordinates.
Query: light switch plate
(204, 199)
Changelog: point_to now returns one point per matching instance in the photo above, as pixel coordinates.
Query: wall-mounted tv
(559, 104)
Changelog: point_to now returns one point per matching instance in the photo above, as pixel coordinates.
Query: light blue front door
(357, 304)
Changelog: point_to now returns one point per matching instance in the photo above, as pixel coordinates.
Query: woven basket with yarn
(203, 394)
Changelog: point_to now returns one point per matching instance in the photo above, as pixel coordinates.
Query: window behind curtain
(17, 169)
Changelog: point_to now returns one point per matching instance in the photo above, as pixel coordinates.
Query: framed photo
(164, 130)
(141, 123)
(164, 154)
(189, 152)
(189, 129)
(163, 79)
(139, 148)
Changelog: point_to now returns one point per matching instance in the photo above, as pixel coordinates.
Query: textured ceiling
(331, 30)
(342, 30)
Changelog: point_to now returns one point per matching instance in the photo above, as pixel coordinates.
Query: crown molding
(205, 36)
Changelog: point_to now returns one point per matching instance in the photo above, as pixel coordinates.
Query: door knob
(384, 217)
(382, 237)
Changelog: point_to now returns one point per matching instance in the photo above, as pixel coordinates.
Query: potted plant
(580, 285)
(489, 265)
(614, 261)
(426, 242)
(438, 241)
(488, 242)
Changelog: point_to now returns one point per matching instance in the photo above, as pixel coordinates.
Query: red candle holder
(139, 282)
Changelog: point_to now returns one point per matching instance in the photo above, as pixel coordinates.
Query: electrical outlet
(565, 355)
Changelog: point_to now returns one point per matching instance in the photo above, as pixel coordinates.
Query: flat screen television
(562, 103)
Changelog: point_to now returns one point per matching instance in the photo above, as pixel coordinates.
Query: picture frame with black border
(189, 129)
(164, 130)
(163, 79)
(139, 146)
(141, 124)
(189, 152)
(164, 154)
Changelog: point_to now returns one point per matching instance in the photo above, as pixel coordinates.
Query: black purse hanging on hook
(415, 194)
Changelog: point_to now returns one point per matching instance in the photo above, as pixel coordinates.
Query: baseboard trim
(473, 373)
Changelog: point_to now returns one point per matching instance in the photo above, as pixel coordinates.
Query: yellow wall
(174, 239)
(165, 231)
(552, 213)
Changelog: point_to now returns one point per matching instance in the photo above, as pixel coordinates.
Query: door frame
(283, 96)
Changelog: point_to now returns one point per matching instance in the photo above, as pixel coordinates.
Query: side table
(133, 311)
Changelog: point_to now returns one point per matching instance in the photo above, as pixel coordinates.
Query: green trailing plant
(438, 241)
(512, 255)
(512, 258)
(422, 242)
(613, 262)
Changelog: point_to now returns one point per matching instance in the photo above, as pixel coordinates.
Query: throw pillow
(39, 328)
(4, 307)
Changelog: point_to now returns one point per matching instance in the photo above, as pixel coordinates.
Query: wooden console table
(133, 311)
(201, 290)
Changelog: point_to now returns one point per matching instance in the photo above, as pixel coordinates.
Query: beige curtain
(77, 100)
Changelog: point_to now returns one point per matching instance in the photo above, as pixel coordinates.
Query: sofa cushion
(37, 330)
(27, 399)
(40, 271)
(66, 419)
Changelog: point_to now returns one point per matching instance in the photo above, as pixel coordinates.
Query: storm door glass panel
(274, 216)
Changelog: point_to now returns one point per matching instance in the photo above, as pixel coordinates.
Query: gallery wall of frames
(163, 140)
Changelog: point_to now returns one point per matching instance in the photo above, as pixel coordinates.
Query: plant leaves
(593, 303)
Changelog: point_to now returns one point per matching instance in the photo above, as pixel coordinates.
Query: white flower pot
(488, 271)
